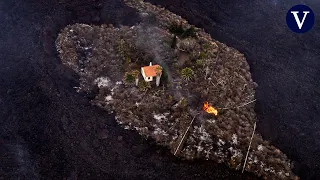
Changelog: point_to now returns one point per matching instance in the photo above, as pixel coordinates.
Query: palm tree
(187, 74)
(159, 71)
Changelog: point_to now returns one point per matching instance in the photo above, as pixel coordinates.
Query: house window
(149, 78)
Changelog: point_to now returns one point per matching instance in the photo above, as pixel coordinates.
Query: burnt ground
(48, 131)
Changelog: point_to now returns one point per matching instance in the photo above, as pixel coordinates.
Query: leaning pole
(245, 161)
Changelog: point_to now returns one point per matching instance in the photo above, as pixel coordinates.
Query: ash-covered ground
(105, 57)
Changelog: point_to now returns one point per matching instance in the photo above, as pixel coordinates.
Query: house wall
(148, 79)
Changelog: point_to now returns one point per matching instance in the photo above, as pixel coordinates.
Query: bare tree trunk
(207, 72)
(158, 80)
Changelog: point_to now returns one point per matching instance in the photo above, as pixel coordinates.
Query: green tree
(129, 78)
(187, 73)
(159, 71)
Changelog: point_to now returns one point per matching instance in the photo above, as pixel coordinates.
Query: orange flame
(209, 109)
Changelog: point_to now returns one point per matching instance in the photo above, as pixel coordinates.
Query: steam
(148, 40)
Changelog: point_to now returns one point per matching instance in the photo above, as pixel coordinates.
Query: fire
(209, 109)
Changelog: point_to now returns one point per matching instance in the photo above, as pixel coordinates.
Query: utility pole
(184, 135)
(245, 161)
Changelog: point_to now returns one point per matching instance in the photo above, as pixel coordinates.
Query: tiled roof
(150, 71)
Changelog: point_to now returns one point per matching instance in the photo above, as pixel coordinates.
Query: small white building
(151, 71)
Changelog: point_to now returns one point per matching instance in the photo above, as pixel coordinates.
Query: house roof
(150, 71)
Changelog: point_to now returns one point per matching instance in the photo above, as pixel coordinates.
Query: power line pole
(245, 162)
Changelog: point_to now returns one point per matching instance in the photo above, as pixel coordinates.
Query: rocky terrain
(104, 56)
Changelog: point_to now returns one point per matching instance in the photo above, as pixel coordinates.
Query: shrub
(190, 32)
(143, 85)
(200, 62)
(187, 45)
(187, 73)
(176, 29)
(135, 73)
(184, 102)
(202, 55)
(127, 59)
(209, 49)
(206, 46)
(129, 78)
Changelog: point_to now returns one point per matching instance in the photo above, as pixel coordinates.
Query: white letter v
(295, 14)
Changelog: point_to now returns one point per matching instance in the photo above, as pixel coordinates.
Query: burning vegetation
(195, 70)
(209, 109)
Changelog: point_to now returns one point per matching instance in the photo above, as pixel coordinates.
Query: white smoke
(149, 39)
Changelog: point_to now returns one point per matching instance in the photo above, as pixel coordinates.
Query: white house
(151, 71)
